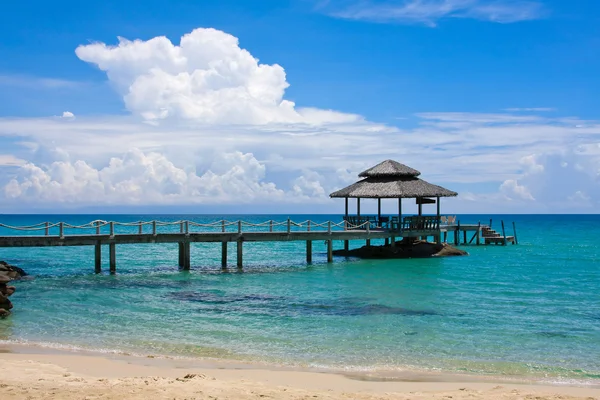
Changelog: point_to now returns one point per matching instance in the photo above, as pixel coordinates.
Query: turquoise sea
(530, 311)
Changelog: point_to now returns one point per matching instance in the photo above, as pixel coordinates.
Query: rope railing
(185, 226)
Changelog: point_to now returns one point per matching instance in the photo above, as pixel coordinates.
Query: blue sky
(512, 83)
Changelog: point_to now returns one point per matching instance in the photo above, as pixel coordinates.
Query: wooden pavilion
(393, 180)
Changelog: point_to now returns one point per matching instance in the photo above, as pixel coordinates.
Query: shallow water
(531, 310)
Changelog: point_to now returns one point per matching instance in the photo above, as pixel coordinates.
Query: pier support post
(224, 255)
(329, 251)
(445, 236)
(181, 255)
(186, 256)
(98, 258)
(479, 233)
(112, 250)
(465, 236)
(368, 242)
(309, 251)
(503, 234)
(393, 241)
(240, 254)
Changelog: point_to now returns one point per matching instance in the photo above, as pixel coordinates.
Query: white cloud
(68, 115)
(207, 78)
(139, 178)
(9, 160)
(512, 189)
(430, 11)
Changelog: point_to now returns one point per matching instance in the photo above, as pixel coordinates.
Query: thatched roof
(389, 168)
(391, 179)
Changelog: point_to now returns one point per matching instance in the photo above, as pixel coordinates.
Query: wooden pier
(99, 233)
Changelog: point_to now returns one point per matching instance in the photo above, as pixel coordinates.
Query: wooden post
(61, 231)
(239, 226)
(400, 212)
(346, 242)
(181, 248)
(97, 227)
(47, 229)
(358, 206)
(271, 226)
(112, 250)
(465, 236)
(479, 233)
(329, 250)
(240, 253)
(308, 246)
(446, 237)
(393, 241)
(223, 248)
(346, 214)
(503, 233)
(515, 233)
(98, 257)
(490, 223)
(224, 255)
(140, 227)
(379, 211)
(153, 228)
(289, 225)
(112, 229)
(457, 235)
(187, 255)
(181, 254)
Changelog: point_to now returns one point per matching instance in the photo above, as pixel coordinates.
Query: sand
(82, 376)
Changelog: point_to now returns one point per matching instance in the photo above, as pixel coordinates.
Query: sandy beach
(37, 375)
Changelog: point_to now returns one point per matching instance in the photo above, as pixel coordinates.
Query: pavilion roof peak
(390, 169)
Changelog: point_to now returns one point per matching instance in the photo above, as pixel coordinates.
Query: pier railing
(100, 227)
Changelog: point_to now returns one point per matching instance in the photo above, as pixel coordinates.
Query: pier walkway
(99, 233)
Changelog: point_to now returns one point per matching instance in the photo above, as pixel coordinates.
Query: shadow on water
(285, 306)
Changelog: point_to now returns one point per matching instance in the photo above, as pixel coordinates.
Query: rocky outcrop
(8, 273)
(403, 249)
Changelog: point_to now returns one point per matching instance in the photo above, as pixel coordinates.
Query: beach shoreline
(37, 371)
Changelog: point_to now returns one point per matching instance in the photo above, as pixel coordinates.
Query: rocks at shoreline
(8, 273)
(403, 249)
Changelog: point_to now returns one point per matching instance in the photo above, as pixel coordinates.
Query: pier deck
(99, 233)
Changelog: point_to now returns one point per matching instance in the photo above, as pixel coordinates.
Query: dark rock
(403, 249)
(7, 290)
(11, 271)
(4, 313)
(5, 302)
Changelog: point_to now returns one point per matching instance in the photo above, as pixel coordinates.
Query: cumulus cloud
(512, 189)
(428, 12)
(145, 178)
(207, 77)
(68, 115)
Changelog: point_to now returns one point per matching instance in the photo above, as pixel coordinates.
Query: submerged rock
(11, 271)
(403, 249)
(8, 273)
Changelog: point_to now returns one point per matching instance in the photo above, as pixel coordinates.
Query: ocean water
(530, 311)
